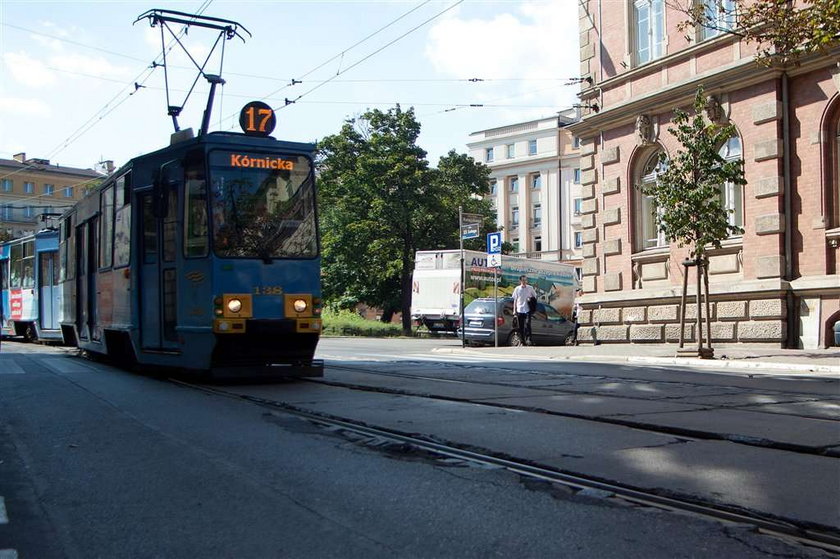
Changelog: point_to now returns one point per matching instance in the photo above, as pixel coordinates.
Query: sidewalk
(757, 357)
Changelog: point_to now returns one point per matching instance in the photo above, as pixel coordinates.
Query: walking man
(521, 306)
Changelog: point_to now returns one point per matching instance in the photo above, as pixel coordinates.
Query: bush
(348, 323)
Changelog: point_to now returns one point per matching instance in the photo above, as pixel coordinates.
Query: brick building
(778, 282)
(30, 188)
(535, 185)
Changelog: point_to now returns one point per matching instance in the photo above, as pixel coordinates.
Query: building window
(488, 155)
(514, 184)
(514, 217)
(537, 244)
(49, 189)
(578, 205)
(577, 176)
(719, 17)
(578, 239)
(532, 147)
(493, 187)
(650, 29)
(537, 213)
(28, 187)
(575, 142)
(8, 184)
(579, 273)
(515, 243)
(6, 212)
(68, 191)
(28, 211)
(732, 195)
(511, 151)
(648, 234)
(536, 182)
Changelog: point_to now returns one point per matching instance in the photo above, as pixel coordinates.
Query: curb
(730, 363)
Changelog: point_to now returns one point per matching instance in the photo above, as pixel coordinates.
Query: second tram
(30, 297)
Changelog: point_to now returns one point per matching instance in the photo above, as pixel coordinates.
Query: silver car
(548, 327)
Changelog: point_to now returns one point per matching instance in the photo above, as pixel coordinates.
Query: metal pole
(461, 303)
(496, 306)
(682, 304)
(699, 315)
(708, 304)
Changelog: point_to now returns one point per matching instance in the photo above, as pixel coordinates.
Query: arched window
(834, 199)
(648, 234)
(732, 195)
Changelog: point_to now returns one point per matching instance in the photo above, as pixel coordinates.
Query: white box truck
(436, 284)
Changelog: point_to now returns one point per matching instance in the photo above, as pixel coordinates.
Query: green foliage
(380, 202)
(688, 186)
(348, 323)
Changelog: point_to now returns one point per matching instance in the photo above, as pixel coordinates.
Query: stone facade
(778, 282)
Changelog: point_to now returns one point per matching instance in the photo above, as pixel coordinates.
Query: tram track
(682, 432)
(822, 537)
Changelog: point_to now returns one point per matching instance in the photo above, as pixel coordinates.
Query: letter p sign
(494, 243)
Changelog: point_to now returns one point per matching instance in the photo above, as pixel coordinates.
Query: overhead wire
(295, 81)
(374, 53)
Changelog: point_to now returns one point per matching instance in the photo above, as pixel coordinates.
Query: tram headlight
(234, 305)
(300, 305)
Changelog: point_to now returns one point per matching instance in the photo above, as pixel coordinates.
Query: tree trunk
(405, 285)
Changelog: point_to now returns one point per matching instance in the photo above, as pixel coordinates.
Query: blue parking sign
(494, 243)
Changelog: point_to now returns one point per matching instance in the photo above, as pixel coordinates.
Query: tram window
(28, 265)
(123, 197)
(149, 231)
(15, 265)
(170, 227)
(4, 274)
(195, 218)
(106, 228)
(122, 237)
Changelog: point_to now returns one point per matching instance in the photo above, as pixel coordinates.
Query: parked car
(548, 327)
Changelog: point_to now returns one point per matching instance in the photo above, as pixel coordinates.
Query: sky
(79, 80)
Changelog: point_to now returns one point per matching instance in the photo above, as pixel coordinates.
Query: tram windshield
(263, 206)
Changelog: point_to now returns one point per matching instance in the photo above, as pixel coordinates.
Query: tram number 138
(268, 290)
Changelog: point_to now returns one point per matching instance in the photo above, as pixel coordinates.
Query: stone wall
(757, 320)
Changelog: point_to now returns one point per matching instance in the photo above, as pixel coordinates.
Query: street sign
(494, 260)
(471, 218)
(470, 230)
(494, 243)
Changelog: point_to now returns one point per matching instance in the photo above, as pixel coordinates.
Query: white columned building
(535, 185)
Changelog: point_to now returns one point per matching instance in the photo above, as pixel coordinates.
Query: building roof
(36, 165)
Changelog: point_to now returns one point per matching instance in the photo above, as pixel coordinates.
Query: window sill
(654, 254)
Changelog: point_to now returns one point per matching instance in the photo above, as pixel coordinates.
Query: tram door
(86, 267)
(48, 291)
(158, 295)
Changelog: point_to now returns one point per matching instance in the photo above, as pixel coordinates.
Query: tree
(783, 30)
(380, 203)
(687, 192)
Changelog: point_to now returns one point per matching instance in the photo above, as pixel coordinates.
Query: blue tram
(202, 256)
(30, 297)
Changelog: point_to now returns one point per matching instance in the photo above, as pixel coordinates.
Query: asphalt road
(98, 462)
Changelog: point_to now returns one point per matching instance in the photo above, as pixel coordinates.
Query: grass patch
(348, 323)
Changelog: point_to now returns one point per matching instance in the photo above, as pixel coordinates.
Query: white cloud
(536, 41)
(91, 66)
(28, 70)
(19, 106)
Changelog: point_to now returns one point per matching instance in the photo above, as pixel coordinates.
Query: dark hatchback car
(548, 327)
